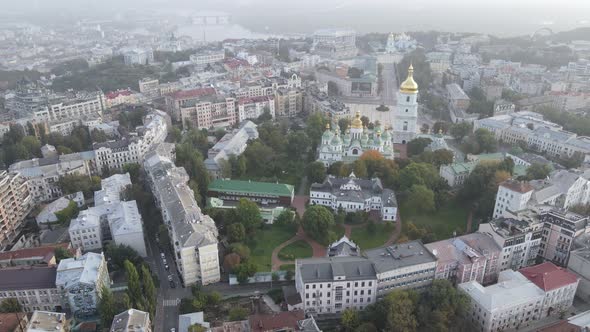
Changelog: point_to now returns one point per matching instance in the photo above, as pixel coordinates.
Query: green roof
(263, 188)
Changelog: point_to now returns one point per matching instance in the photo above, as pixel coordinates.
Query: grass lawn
(443, 222)
(297, 249)
(287, 267)
(264, 242)
(366, 240)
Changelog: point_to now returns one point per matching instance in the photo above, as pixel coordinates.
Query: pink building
(471, 257)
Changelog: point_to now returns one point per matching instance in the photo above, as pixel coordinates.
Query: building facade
(233, 143)
(32, 286)
(15, 205)
(405, 125)
(352, 194)
(132, 320)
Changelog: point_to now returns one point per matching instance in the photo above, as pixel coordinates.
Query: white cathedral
(358, 139)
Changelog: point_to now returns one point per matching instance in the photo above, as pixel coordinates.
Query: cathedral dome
(336, 140)
(357, 123)
(409, 85)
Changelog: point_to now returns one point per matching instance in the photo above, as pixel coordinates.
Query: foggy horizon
(502, 18)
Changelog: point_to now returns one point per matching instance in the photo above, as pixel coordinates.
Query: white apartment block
(80, 280)
(129, 150)
(132, 320)
(252, 108)
(333, 284)
(192, 233)
(32, 286)
(512, 196)
(89, 105)
(513, 302)
(520, 241)
(15, 205)
(203, 59)
(149, 87)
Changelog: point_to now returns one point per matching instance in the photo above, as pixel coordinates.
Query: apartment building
(512, 196)
(253, 107)
(15, 205)
(471, 257)
(149, 87)
(36, 256)
(113, 155)
(208, 112)
(204, 58)
(233, 143)
(80, 282)
(132, 320)
(335, 44)
(185, 98)
(288, 102)
(560, 229)
(520, 240)
(457, 98)
(32, 286)
(90, 104)
(192, 233)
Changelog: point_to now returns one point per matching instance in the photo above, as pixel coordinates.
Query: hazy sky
(492, 16)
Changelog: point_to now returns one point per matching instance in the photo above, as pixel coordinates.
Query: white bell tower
(405, 121)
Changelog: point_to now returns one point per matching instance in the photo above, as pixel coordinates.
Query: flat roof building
(132, 320)
(45, 321)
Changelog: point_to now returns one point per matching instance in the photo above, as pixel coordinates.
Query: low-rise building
(48, 214)
(45, 321)
(352, 194)
(81, 281)
(343, 247)
(232, 143)
(192, 233)
(185, 321)
(132, 320)
(37, 256)
(514, 302)
(402, 266)
(32, 286)
(13, 322)
(471, 257)
(457, 98)
(502, 107)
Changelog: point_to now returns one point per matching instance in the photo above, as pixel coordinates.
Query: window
(408, 99)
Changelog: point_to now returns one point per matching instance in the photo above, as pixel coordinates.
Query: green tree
(197, 328)
(214, 298)
(315, 128)
(440, 127)
(401, 316)
(298, 144)
(68, 213)
(242, 250)
(287, 220)
(317, 222)
(61, 253)
(133, 284)
(460, 130)
(10, 305)
(316, 172)
(537, 171)
(417, 145)
(336, 168)
(486, 140)
(106, 306)
(244, 271)
(237, 313)
(247, 213)
(99, 136)
(149, 289)
(419, 173)
(119, 254)
(32, 144)
(349, 320)
(72, 183)
(289, 275)
(420, 199)
(360, 168)
(236, 232)
(366, 327)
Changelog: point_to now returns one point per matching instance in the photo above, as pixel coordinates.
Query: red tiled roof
(194, 93)
(548, 276)
(521, 187)
(46, 252)
(115, 94)
(271, 322)
(9, 321)
(235, 63)
(248, 100)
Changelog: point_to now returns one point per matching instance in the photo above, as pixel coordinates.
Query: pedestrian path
(171, 303)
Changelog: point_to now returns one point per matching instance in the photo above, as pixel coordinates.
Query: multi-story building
(520, 241)
(91, 104)
(208, 112)
(15, 205)
(317, 101)
(503, 107)
(28, 99)
(439, 61)
(32, 286)
(233, 143)
(457, 98)
(333, 284)
(121, 97)
(202, 59)
(349, 147)
(288, 102)
(560, 228)
(149, 87)
(405, 124)
(558, 284)
(471, 257)
(514, 302)
(512, 196)
(335, 44)
(81, 281)
(42, 175)
(138, 56)
(402, 266)
(37, 256)
(252, 108)
(177, 100)
(44, 321)
(112, 155)
(456, 173)
(132, 320)
(192, 233)
(352, 194)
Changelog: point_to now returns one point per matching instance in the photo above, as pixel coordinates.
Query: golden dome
(357, 123)
(409, 85)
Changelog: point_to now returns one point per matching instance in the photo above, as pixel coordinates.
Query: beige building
(45, 321)
(15, 204)
(132, 320)
(288, 102)
(209, 111)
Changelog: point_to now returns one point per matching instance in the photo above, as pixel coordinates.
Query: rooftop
(131, 320)
(44, 321)
(28, 277)
(45, 252)
(276, 321)
(456, 93)
(328, 268)
(399, 255)
(464, 248)
(194, 93)
(518, 186)
(261, 188)
(84, 270)
(548, 276)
